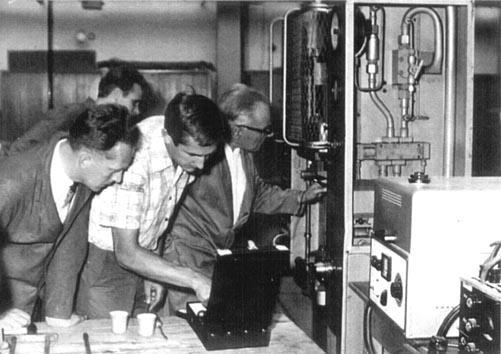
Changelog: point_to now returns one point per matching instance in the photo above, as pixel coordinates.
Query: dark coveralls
(204, 220)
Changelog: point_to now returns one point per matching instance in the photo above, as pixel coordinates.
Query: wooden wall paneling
(169, 83)
(23, 96)
(70, 88)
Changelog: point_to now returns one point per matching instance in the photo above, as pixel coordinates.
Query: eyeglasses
(266, 131)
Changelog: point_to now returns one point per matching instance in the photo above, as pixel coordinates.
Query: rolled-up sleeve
(121, 205)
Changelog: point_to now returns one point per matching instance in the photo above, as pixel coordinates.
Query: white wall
(129, 30)
(261, 14)
(170, 31)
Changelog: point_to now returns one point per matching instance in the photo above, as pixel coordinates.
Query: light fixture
(82, 37)
(92, 4)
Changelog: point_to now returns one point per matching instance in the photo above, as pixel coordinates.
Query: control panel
(479, 317)
(388, 274)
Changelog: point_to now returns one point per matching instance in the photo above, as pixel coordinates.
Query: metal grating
(309, 50)
(392, 197)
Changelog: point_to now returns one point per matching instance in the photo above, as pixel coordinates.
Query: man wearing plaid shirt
(126, 222)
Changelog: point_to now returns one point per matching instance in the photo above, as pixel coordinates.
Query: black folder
(245, 285)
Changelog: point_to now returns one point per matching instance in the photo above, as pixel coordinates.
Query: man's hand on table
(64, 322)
(14, 319)
(201, 286)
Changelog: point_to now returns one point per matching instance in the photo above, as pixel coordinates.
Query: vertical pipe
(50, 54)
(390, 130)
(307, 235)
(270, 62)
(271, 65)
(397, 170)
(450, 93)
(284, 78)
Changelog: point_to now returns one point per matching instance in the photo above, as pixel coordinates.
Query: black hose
(439, 342)
(448, 322)
(368, 344)
(367, 330)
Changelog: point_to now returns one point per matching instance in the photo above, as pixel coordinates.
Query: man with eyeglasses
(220, 201)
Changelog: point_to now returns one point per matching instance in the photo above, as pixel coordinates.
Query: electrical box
(479, 317)
(427, 236)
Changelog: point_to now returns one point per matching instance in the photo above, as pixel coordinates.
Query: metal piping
(450, 93)
(375, 52)
(50, 54)
(270, 66)
(390, 130)
(284, 78)
(407, 21)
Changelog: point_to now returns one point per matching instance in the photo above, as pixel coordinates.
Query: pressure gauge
(335, 31)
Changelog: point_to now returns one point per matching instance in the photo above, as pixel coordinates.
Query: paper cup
(146, 323)
(119, 321)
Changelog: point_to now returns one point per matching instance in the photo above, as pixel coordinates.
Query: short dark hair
(240, 99)
(122, 76)
(101, 127)
(189, 114)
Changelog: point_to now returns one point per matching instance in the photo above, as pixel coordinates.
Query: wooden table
(286, 337)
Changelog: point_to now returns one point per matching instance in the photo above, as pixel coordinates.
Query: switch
(487, 337)
(390, 238)
(386, 267)
(376, 263)
(384, 298)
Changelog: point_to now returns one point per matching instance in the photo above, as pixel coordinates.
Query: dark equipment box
(245, 285)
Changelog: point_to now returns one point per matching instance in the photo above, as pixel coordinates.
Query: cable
(367, 331)
(448, 322)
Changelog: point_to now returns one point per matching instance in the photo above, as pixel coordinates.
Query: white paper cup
(119, 321)
(146, 323)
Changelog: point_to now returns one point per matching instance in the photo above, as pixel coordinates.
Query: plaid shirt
(146, 197)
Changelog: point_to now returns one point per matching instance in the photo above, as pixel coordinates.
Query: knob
(471, 347)
(384, 298)
(490, 323)
(470, 324)
(471, 301)
(419, 177)
(376, 262)
(462, 341)
(396, 289)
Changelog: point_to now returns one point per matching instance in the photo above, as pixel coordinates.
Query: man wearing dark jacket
(220, 202)
(45, 198)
